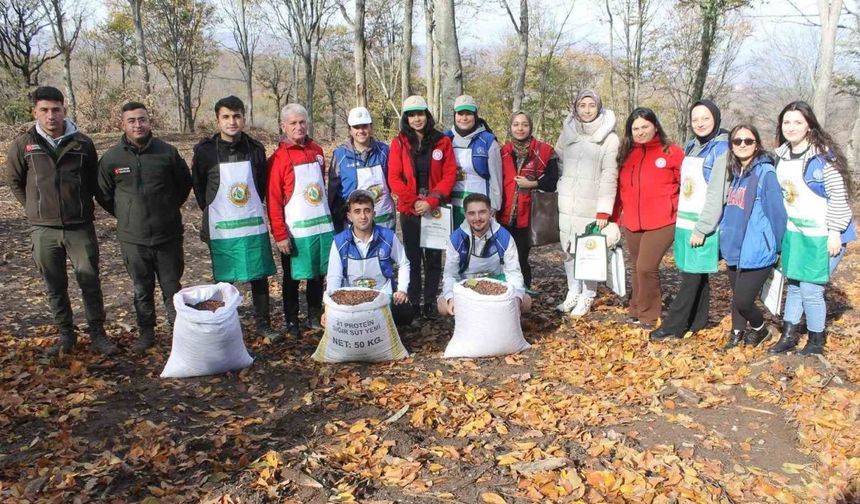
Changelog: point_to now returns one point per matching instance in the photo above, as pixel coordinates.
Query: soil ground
(593, 412)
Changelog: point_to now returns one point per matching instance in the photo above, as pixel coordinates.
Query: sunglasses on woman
(743, 141)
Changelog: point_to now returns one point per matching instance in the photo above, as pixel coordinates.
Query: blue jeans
(805, 297)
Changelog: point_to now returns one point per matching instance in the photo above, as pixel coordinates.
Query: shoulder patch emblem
(320, 159)
(121, 170)
(660, 162)
(437, 154)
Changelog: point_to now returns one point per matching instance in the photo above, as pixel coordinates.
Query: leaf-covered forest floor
(593, 412)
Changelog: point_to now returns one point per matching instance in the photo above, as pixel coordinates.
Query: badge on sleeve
(660, 162)
(437, 154)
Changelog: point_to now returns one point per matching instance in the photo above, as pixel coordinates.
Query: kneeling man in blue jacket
(369, 255)
(481, 248)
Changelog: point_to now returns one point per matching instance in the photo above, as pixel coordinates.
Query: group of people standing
(722, 196)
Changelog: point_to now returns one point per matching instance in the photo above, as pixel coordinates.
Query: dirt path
(593, 412)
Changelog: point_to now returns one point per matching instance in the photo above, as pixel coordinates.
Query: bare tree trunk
(65, 43)
(406, 58)
(430, 75)
(309, 89)
(522, 29)
(852, 150)
(828, 12)
(141, 44)
(451, 75)
(360, 56)
(710, 19)
(614, 105)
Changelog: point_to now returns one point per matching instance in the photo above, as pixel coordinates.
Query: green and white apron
(804, 246)
(309, 219)
(367, 273)
(238, 233)
(485, 267)
(468, 182)
(372, 179)
(691, 202)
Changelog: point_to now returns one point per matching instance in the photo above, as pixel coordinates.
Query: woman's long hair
(734, 164)
(627, 142)
(818, 138)
(431, 134)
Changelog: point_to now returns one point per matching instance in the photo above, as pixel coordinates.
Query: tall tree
(278, 75)
(183, 51)
(828, 12)
(66, 19)
(406, 52)
(431, 58)
(359, 49)
(634, 19)
(711, 13)
(116, 35)
(22, 51)
(304, 23)
(245, 27)
(384, 53)
(142, 61)
(522, 30)
(451, 68)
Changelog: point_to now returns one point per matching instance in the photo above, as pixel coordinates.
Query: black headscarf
(715, 111)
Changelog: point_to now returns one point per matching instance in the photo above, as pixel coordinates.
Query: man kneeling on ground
(366, 254)
(480, 248)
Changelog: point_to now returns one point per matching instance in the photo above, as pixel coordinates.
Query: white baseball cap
(359, 115)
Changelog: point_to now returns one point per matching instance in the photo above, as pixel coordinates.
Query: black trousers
(689, 309)
(429, 260)
(145, 263)
(523, 243)
(290, 293)
(746, 285)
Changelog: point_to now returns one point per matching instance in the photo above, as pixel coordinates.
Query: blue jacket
(497, 245)
(342, 175)
(716, 147)
(813, 175)
(754, 218)
(480, 146)
(380, 247)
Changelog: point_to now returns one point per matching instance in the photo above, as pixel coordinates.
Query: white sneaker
(568, 303)
(583, 306)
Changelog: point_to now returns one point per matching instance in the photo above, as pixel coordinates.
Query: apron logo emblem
(367, 283)
(660, 162)
(461, 175)
(436, 213)
(437, 154)
(590, 244)
(313, 194)
(375, 191)
(789, 192)
(239, 194)
(688, 187)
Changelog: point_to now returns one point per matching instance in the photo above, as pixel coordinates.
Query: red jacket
(539, 155)
(282, 180)
(648, 184)
(401, 174)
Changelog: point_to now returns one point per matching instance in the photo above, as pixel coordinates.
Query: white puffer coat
(588, 174)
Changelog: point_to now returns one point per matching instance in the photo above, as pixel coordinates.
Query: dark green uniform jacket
(145, 189)
(55, 187)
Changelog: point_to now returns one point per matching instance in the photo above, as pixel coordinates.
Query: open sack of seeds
(486, 320)
(359, 328)
(207, 336)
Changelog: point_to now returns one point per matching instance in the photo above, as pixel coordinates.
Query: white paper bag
(436, 228)
(591, 258)
(772, 292)
(617, 274)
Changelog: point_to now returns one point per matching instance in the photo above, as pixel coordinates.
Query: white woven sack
(205, 342)
(360, 333)
(485, 326)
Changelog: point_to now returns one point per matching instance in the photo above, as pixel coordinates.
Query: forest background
(179, 56)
